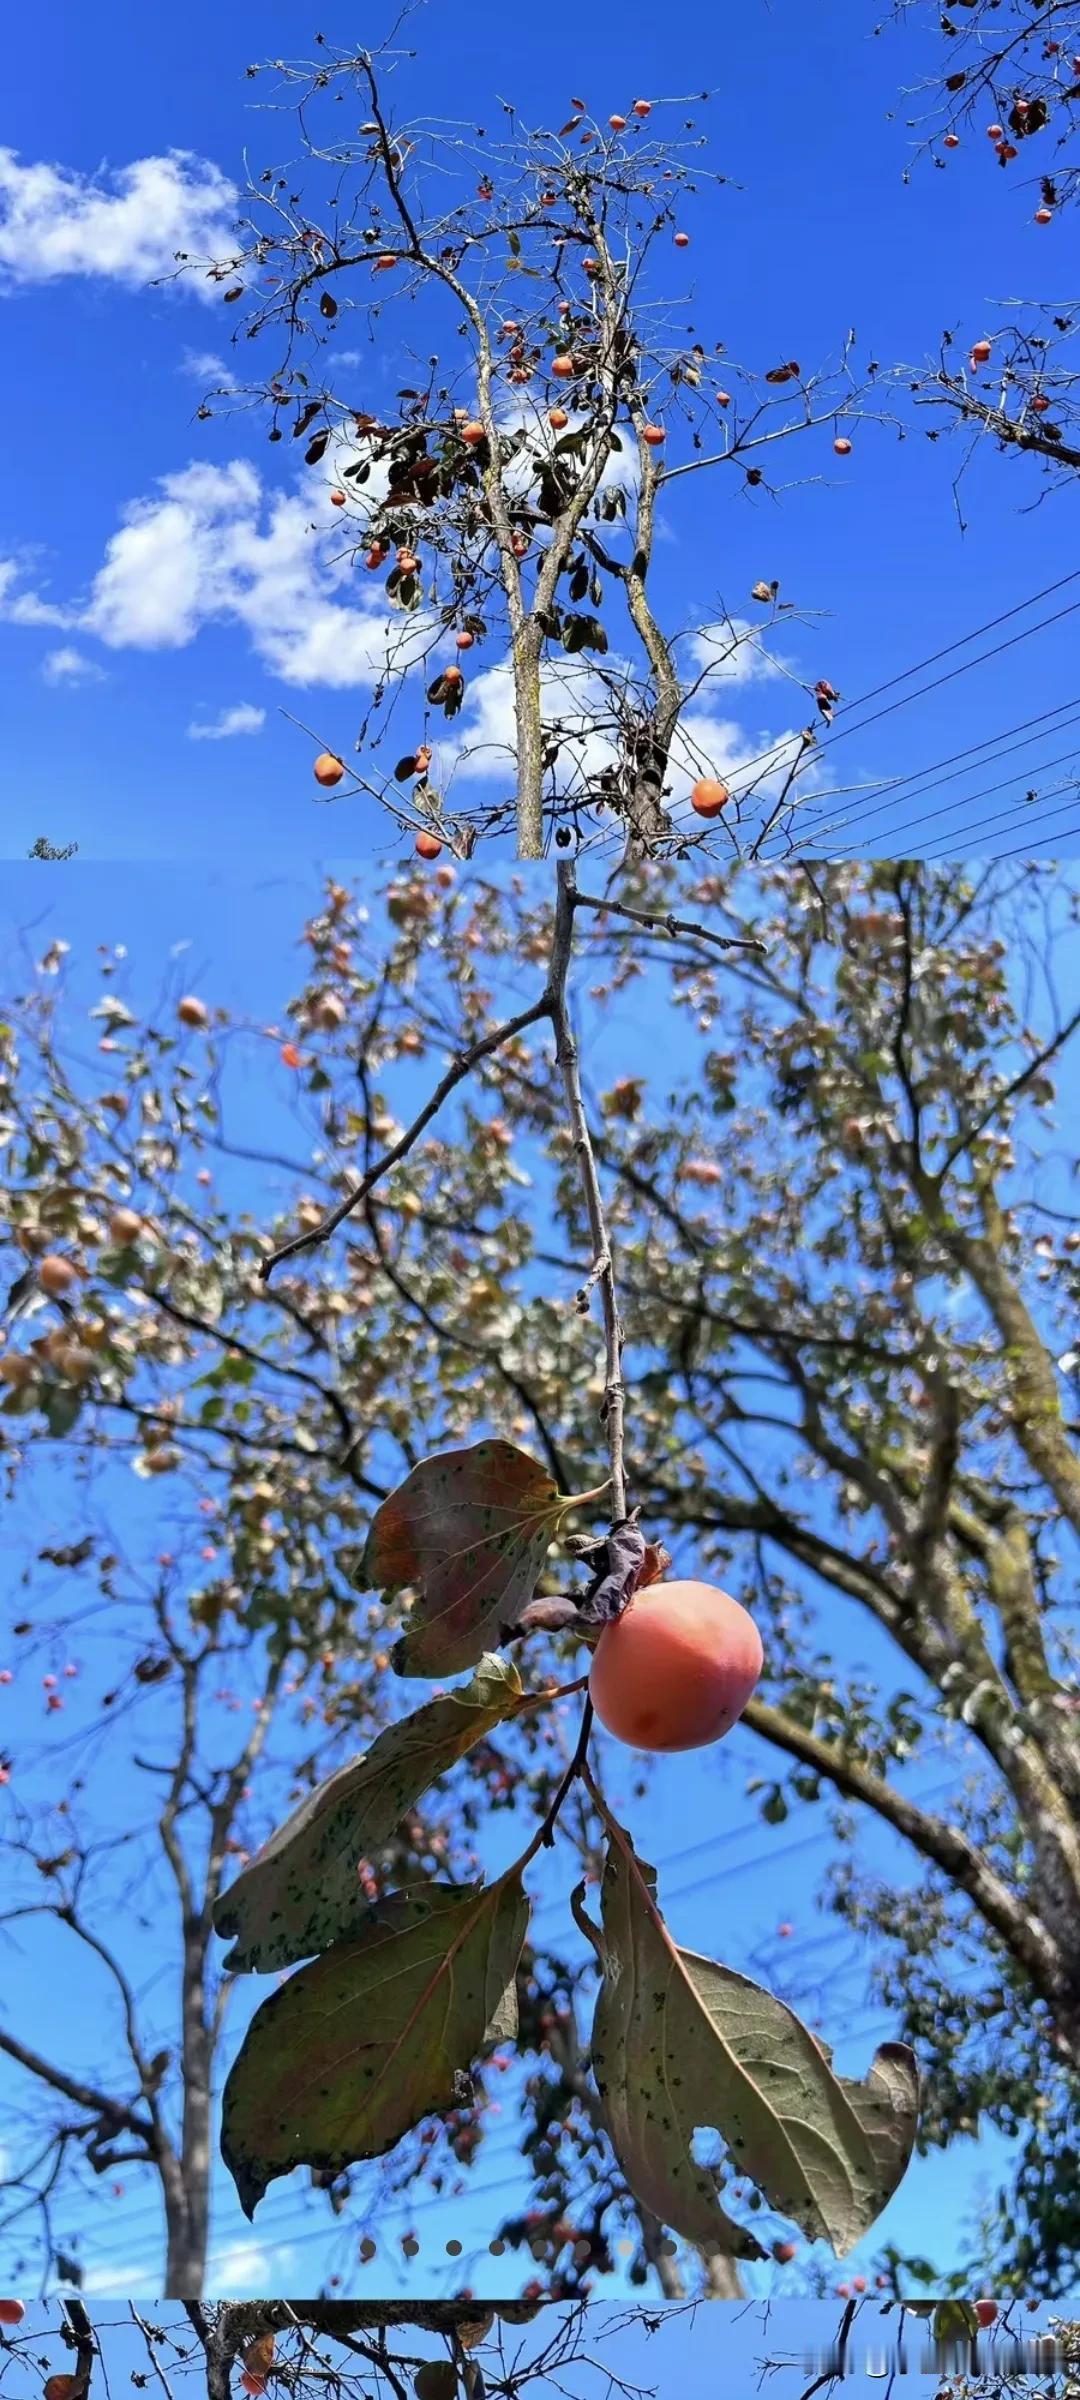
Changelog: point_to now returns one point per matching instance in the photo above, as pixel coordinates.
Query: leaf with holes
(469, 1531)
(681, 2043)
(301, 1893)
(358, 2047)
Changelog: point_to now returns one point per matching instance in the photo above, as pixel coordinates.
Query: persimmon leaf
(356, 2048)
(468, 1531)
(301, 1893)
(681, 2042)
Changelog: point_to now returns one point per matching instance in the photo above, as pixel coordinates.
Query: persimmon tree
(434, 2350)
(554, 402)
(1004, 98)
(840, 1391)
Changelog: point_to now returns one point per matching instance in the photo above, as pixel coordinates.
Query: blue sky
(727, 1880)
(125, 617)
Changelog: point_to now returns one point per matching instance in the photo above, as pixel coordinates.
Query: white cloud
(210, 547)
(732, 652)
(55, 222)
(208, 368)
(27, 608)
(243, 718)
(70, 666)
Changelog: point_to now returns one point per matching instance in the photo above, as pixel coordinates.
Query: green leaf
(62, 1405)
(680, 2042)
(301, 1893)
(355, 2049)
(954, 2321)
(469, 1530)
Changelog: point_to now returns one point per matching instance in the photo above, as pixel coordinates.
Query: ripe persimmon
(473, 433)
(952, 141)
(842, 446)
(709, 797)
(557, 418)
(642, 108)
(995, 132)
(192, 1012)
(562, 366)
(465, 639)
(428, 846)
(617, 124)
(1039, 403)
(337, 499)
(55, 1274)
(385, 259)
(124, 1226)
(682, 241)
(654, 435)
(327, 769)
(986, 2311)
(1044, 216)
(12, 2312)
(980, 351)
(783, 2252)
(453, 676)
(676, 1669)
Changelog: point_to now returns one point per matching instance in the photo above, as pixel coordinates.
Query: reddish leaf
(469, 1531)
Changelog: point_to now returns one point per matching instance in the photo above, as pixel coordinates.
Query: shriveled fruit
(55, 1274)
(327, 769)
(192, 1012)
(676, 1669)
(709, 797)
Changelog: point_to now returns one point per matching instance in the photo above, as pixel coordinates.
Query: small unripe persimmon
(676, 1669)
(709, 797)
(55, 1275)
(327, 769)
(193, 1012)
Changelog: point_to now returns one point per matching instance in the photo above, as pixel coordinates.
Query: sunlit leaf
(469, 1531)
(301, 1892)
(681, 2043)
(358, 2047)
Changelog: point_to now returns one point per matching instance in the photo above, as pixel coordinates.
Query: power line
(996, 745)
